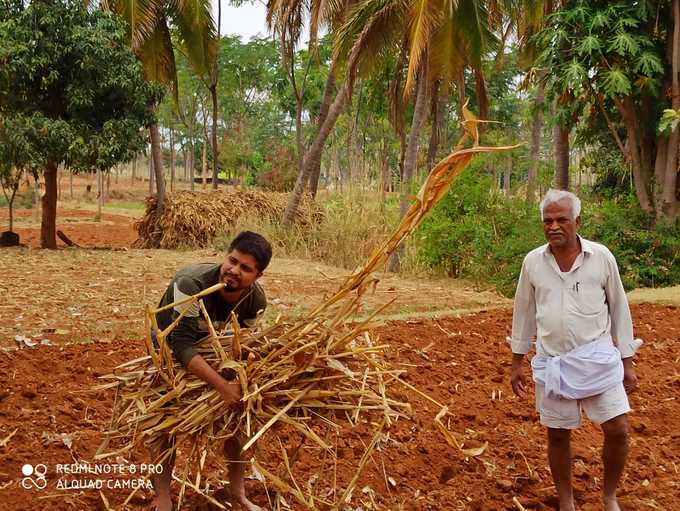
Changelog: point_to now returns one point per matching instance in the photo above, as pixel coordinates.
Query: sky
(246, 21)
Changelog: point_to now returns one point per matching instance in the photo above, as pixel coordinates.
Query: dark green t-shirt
(193, 327)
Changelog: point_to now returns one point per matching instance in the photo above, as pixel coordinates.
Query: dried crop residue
(460, 362)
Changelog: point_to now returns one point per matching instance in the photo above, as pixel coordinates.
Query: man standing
(248, 256)
(570, 299)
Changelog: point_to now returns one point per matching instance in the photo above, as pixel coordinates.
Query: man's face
(238, 271)
(558, 225)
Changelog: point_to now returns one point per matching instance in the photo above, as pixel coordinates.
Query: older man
(570, 299)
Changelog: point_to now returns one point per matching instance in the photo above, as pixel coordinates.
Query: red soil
(114, 231)
(44, 391)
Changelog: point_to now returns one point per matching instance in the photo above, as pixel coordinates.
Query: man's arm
(621, 324)
(523, 329)
(182, 341)
(229, 390)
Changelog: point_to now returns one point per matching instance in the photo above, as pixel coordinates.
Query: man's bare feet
(163, 503)
(610, 504)
(567, 506)
(247, 505)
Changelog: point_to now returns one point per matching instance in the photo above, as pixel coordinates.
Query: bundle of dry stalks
(321, 368)
(194, 219)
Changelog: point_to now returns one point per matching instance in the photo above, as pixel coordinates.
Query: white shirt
(564, 310)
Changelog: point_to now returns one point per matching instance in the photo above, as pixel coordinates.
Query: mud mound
(194, 219)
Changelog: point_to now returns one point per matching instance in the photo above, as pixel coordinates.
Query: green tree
(615, 60)
(69, 82)
(438, 39)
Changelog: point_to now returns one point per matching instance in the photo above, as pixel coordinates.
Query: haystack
(319, 371)
(194, 219)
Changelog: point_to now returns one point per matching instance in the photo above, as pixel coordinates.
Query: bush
(478, 233)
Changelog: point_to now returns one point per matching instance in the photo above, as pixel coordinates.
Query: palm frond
(197, 33)
(447, 51)
(141, 17)
(371, 26)
(424, 16)
(158, 58)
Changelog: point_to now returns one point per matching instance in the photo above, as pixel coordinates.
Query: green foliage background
(477, 232)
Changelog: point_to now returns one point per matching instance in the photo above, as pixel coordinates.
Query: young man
(247, 257)
(570, 298)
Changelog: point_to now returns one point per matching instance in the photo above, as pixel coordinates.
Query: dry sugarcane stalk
(319, 366)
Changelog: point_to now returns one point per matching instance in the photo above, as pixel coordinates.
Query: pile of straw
(194, 219)
(318, 370)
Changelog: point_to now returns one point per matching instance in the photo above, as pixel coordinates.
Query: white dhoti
(588, 378)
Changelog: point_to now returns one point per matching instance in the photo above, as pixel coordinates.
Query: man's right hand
(231, 393)
(517, 379)
(229, 390)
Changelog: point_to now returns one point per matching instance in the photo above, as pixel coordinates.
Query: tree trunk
(204, 163)
(329, 90)
(158, 166)
(48, 226)
(506, 176)
(100, 195)
(561, 179)
(172, 160)
(482, 97)
(191, 165)
(669, 203)
(313, 157)
(535, 147)
(437, 123)
(215, 150)
(410, 161)
(70, 183)
(151, 179)
(627, 108)
(298, 133)
(134, 170)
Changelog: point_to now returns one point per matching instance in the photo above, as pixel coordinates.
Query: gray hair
(553, 196)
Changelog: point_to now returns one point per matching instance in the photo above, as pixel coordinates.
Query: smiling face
(559, 226)
(238, 272)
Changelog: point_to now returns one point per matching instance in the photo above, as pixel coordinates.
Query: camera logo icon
(34, 477)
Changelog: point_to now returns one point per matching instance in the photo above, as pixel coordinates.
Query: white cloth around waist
(586, 371)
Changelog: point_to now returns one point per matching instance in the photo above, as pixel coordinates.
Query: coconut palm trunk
(313, 156)
(157, 157)
(411, 157)
(561, 136)
(534, 148)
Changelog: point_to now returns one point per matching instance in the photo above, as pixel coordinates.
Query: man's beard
(230, 282)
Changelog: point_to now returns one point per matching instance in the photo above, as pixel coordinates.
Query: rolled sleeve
(619, 312)
(523, 314)
(182, 340)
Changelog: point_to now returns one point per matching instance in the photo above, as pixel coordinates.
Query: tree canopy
(72, 90)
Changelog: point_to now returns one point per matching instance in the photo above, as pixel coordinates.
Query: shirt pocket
(589, 299)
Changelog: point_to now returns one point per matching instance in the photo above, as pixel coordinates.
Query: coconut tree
(439, 38)
(149, 25)
(286, 19)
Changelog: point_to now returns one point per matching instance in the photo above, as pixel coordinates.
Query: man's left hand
(630, 381)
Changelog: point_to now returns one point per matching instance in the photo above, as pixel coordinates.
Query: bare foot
(163, 504)
(611, 504)
(247, 505)
(567, 506)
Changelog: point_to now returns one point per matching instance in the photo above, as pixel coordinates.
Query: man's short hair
(253, 244)
(553, 196)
